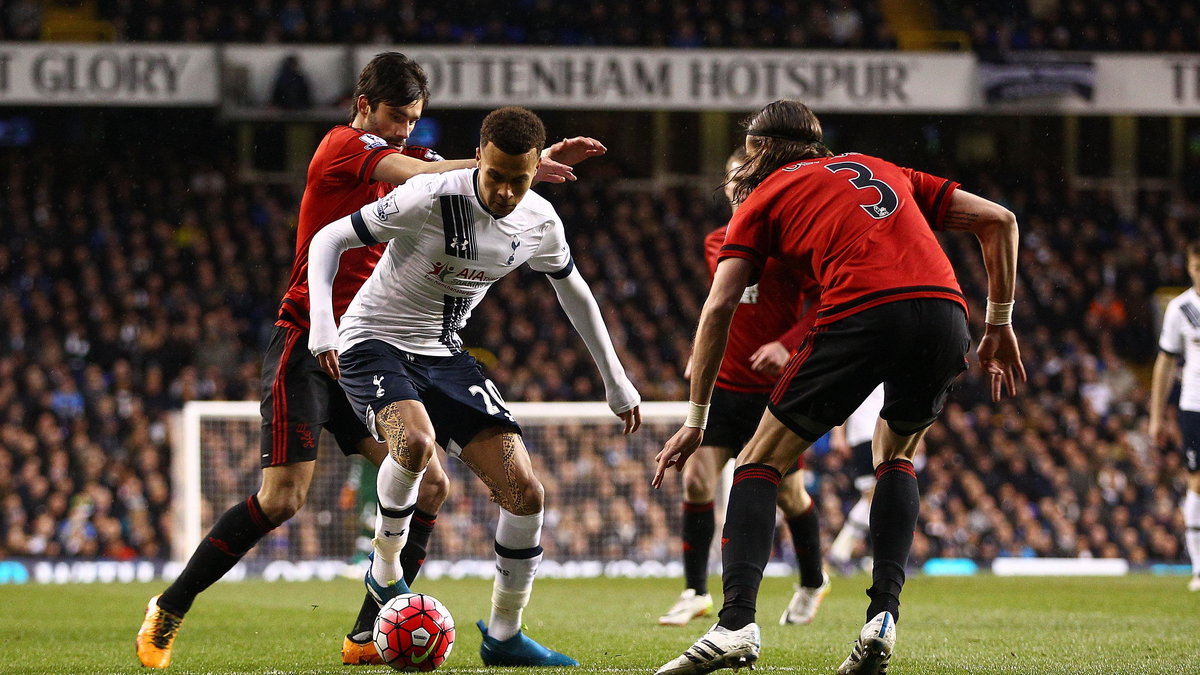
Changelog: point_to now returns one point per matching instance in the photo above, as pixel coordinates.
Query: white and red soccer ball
(414, 632)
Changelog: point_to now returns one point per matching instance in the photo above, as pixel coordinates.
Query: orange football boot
(157, 635)
(359, 653)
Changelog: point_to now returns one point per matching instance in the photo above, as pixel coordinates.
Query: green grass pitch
(1134, 624)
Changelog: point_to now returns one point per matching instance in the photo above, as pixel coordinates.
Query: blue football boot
(518, 650)
(382, 593)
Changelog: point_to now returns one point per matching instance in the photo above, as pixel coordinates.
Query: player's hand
(632, 419)
(550, 171)
(329, 363)
(676, 452)
(1000, 358)
(1159, 435)
(769, 358)
(572, 151)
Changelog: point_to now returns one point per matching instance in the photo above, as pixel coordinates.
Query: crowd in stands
(827, 24)
(998, 26)
(993, 27)
(130, 287)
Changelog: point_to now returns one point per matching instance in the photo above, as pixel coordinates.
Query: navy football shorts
(1189, 427)
(460, 399)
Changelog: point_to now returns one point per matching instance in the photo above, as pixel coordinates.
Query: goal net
(599, 503)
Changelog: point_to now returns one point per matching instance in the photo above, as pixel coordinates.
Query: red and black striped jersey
(780, 307)
(859, 226)
(339, 182)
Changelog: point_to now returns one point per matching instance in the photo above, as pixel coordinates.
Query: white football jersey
(445, 251)
(1181, 337)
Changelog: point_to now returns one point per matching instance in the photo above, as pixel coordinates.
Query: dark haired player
(354, 164)
(770, 322)
(890, 312)
(402, 364)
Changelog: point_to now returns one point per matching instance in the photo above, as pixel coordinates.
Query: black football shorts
(916, 348)
(298, 399)
(732, 420)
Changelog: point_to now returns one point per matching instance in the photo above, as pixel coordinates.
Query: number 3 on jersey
(863, 179)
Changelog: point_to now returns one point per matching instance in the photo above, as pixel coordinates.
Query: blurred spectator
(856, 24)
(291, 90)
(21, 20)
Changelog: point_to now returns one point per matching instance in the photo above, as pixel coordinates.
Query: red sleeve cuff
(941, 203)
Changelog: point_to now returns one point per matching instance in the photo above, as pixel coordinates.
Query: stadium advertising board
(617, 79)
(1157, 84)
(75, 74)
(1100, 84)
(829, 81)
(693, 79)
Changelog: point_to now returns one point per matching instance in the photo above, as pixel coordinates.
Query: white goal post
(599, 503)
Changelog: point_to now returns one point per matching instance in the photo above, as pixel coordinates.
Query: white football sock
(1191, 520)
(858, 523)
(518, 553)
(397, 488)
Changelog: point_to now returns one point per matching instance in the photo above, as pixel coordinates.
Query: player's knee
(280, 504)
(793, 500)
(435, 488)
(417, 451)
(697, 487)
(523, 498)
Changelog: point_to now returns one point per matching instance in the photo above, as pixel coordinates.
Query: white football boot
(1194, 584)
(687, 607)
(873, 650)
(716, 649)
(805, 602)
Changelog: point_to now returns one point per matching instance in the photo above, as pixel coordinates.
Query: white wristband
(697, 416)
(999, 313)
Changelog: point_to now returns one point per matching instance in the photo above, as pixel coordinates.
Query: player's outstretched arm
(324, 252)
(580, 305)
(729, 282)
(996, 229)
(397, 168)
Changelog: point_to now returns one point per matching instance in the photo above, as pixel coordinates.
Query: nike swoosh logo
(429, 651)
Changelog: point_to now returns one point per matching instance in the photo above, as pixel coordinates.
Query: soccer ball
(414, 632)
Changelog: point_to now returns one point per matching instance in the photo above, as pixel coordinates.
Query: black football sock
(698, 525)
(365, 622)
(412, 556)
(893, 518)
(746, 540)
(235, 533)
(806, 539)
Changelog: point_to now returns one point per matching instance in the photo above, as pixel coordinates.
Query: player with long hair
(770, 322)
(890, 311)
